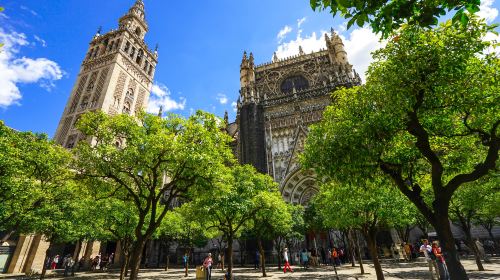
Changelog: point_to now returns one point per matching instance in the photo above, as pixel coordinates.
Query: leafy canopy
(388, 15)
(427, 116)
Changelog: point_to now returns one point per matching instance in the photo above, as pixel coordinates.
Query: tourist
(185, 262)
(341, 256)
(95, 263)
(68, 266)
(207, 265)
(305, 259)
(329, 257)
(440, 262)
(104, 262)
(257, 259)
(323, 255)
(335, 257)
(426, 249)
(55, 261)
(287, 263)
(407, 250)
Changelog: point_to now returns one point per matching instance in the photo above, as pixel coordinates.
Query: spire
(135, 19)
(160, 112)
(99, 30)
(251, 60)
(275, 57)
(226, 118)
(301, 51)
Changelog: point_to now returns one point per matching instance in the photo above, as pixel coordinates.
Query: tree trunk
(44, 268)
(262, 257)
(230, 255)
(371, 236)
(6, 236)
(124, 266)
(350, 241)
(358, 252)
(472, 245)
(279, 240)
(490, 233)
(135, 258)
(443, 230)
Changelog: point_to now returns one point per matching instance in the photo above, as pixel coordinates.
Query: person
(112, 258)
(207, 265)
(104, 262)
(305, 259)
(426, 249)
(286, 260)
(81, 263)
(407, 250)
(440, 262)
(329, 257)
(95, 263)
(68, 264)
(185, 262)
(55, 261)
(335, 257)
(323, 256)
(257, 260)
(480, 249)
(341, 256)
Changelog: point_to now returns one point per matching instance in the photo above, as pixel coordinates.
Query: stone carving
(140, 100)
(78, 92)
(120, 85)
(99, 88)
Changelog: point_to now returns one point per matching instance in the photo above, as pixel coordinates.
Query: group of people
(435, 259)
(68, 264)
(101, 262)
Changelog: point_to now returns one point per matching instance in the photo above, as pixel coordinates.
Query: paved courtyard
(413, 270)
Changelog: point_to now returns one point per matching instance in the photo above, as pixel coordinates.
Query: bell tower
(116, 75)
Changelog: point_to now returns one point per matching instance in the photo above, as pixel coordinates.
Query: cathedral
(278, 101)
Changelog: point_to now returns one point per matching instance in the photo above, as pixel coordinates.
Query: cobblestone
(412, 270)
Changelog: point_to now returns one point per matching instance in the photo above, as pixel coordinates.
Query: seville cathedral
(277, 102)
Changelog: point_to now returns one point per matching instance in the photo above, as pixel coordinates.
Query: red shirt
(437, 253)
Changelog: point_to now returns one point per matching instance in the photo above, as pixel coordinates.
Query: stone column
(91, 250)
(20, 256)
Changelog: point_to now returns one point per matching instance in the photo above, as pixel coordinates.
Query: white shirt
(285, 256)
(426, 250)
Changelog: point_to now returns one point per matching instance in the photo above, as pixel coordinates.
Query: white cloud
(283, 32)
(309, 44)
(161, 97)
(487, 11)
(41, 41)
(301, 21)
(222, 98)
(29, 10)
(22, 70)
(235, 106)
(359, 46)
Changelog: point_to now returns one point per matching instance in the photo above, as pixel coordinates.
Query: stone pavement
(413, 270)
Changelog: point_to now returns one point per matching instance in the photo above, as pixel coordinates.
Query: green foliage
(426, 117)
(387, 16)
(344, 206)
(37, 194)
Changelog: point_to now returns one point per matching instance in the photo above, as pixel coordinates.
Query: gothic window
(138, 32)
(105, 46)
(130, 93)
(126, 108)
(150, 71)
(116, 101)
(85, 102)
(294, 84)
(110, 46)
(146, 65)
(127, 47)
(132, 53)
(90, 86)
(116, 44)
(71, 141)
(139, 57)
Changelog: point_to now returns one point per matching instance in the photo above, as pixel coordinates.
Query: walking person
(207, 265)
(54, 263)
(426, 249)
(185, 262)
(286, 260)
(68, 266)
(305, 259)
(440, 262)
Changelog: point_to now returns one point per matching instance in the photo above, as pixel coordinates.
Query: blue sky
(201, 45)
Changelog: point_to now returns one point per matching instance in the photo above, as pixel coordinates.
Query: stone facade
(277, 103)
(115, 77)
